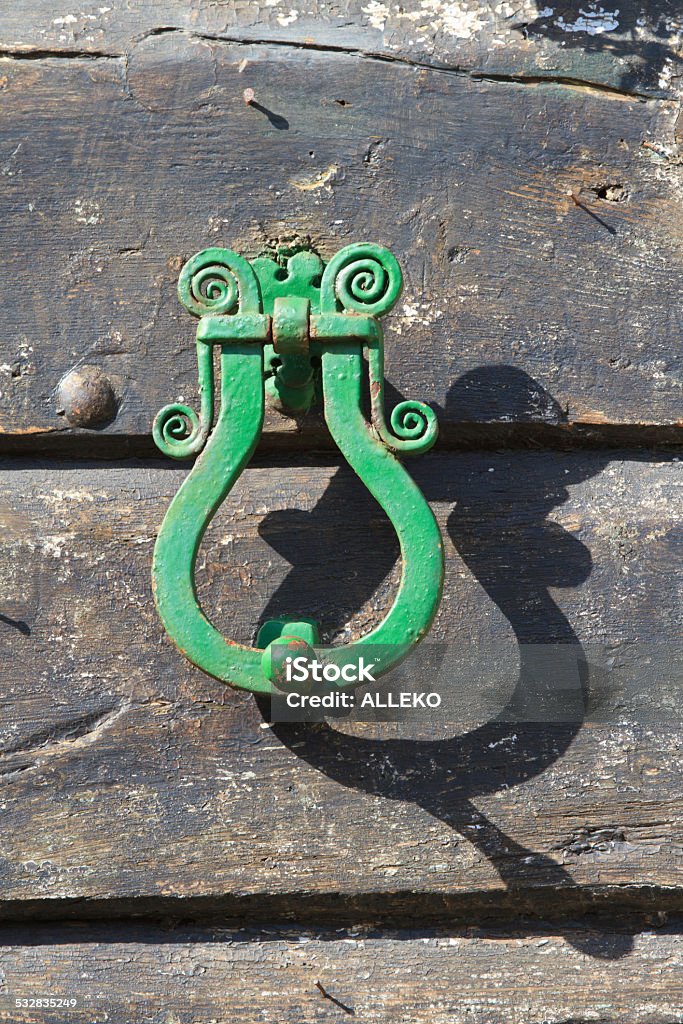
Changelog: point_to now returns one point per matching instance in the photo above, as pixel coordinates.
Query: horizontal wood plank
(520, 306)
(634, 48)
(426, 978)
(126, 774)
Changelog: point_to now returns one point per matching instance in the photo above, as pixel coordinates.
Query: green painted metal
(291, 333)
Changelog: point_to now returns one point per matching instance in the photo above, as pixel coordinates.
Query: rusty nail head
(86, 398)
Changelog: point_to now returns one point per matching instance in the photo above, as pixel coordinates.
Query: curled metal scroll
(268, 323)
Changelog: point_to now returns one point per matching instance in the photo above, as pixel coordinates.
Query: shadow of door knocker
(292, 334)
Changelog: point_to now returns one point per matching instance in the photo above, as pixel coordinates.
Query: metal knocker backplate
(288, 332)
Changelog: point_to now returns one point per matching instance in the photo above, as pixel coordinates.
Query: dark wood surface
(225, 976)
(128, 774)
(632, 50)
(523, 163)
(520, 306)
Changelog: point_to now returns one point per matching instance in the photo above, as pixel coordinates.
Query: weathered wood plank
(633, 48)
(126, 773)
(425, 978)
(520, 306)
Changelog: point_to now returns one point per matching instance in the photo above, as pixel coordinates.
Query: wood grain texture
(127, 775)
(115, 170)
(633, 48)
(523, 161)
(223, 976)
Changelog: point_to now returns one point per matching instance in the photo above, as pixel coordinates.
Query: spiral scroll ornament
(218, 281)
(311, 331)
(363, 278)
(414, 424)
(178, 431)
(214, 290)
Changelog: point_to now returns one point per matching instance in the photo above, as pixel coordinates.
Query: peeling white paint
(377, 14)
(417, 313)
(666, 74)
(287, 19)
(59, 496)
(506, 739)
(454, 19)
(594, 21)
(54, 545)
(87, 211)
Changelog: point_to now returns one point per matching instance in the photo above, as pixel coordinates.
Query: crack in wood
(7, 53)
(476, 75)
(53, 737)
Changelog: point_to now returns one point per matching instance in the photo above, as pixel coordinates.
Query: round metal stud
(86, 398)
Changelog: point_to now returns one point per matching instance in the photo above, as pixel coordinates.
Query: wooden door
(165, 853)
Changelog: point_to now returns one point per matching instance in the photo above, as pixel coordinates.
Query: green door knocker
(287, 333)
